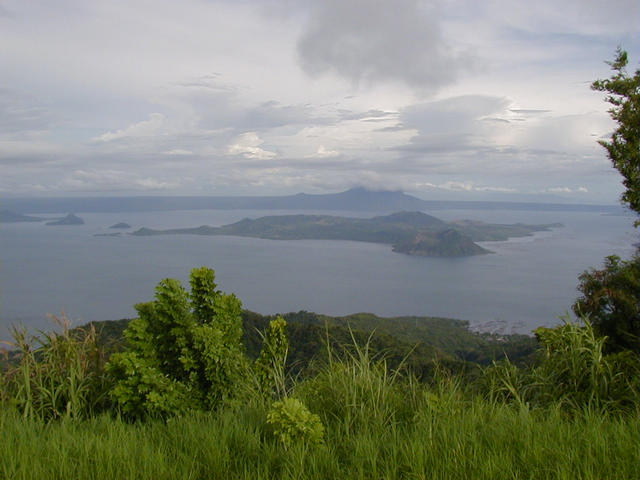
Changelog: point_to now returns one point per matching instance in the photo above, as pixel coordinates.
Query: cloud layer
(454, 99)
(368, 42)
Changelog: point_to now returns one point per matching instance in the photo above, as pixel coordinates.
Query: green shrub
(292, 423)
(269, 367)
(185, 350)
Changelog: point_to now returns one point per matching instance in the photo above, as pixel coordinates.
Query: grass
(378, 424)
(471, 440)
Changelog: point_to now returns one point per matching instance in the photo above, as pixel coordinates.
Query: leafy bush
(270, 365)
(292, 422)
(185, 350)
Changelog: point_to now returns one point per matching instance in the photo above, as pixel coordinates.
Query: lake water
(526, 283)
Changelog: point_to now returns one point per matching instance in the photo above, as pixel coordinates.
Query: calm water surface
(525, 283)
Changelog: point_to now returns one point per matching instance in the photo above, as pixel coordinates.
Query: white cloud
(457, 186)
(147, 128)
(178, 152)
(248, 145)
(155, 184)
(567, 190)
(324, 153)
(495, 189)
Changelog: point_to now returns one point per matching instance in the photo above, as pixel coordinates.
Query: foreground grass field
(445, 437)
(377, 425)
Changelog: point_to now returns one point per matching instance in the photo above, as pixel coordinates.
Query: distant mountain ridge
(355, 199)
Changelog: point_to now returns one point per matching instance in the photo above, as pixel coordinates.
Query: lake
(525, 283)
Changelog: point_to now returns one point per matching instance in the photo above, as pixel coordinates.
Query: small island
(70, 219)
(412, 233)
(121, 225)
(7, 216)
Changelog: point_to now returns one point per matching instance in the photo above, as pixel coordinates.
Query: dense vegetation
(418, 343)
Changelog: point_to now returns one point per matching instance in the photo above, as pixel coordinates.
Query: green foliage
(624, 147)
(359, 389)
(448, 433)
(415, 341)
(143, 391)
(370, 422)
(185, 350)
(203, 294)
(270, 365)
(611, 301)
(573, 373)
(56, 375)
(292, 423)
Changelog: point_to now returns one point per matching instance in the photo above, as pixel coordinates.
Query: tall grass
(461, 440)
(573, 373)
(55, 375)
(378, 424)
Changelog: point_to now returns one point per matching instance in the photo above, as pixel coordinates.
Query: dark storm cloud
(371, 41)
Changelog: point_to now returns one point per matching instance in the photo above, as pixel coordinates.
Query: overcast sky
(442, 99)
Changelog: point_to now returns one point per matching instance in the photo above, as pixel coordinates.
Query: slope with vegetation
(413, 233)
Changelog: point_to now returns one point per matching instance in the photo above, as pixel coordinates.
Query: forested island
(413, 233)
(70, 219)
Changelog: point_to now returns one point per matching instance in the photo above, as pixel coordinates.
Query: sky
(451, 99)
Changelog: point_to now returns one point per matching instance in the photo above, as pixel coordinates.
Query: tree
(611, 296)
(624, 147)
(611, 301)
